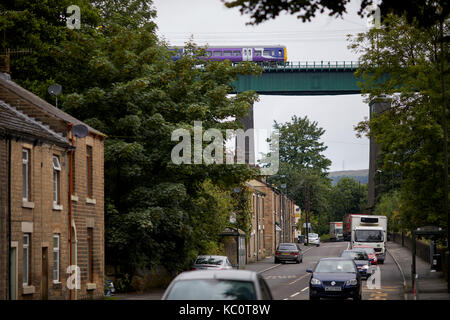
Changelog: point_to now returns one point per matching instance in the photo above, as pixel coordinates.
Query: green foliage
(347, 196)
(389, 206)
(428, 12)
(302, 166)
(120, 78)
(402, 61)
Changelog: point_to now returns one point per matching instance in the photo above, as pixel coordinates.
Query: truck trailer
(368, 230)
(346, 225)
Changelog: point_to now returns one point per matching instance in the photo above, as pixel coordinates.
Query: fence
(422, 250)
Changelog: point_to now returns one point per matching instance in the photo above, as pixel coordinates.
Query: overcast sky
(324, 38)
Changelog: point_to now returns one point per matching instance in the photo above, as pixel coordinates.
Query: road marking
(299, 278)
(293, 295)
(305, 289)
(269, 268)
(348, 245)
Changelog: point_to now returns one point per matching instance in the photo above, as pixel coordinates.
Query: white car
(313, 238)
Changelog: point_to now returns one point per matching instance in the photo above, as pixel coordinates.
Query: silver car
(212, 263)
(218, 285)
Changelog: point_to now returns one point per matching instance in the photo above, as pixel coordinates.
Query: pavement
(430, 285)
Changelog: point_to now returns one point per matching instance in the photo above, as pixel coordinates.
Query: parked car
(361, 260)
(313, 238)
(218, 285)
(335, 278)
(370, 252)
(212, 263)
(288, 252)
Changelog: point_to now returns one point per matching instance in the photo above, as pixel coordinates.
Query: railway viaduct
(308, 79)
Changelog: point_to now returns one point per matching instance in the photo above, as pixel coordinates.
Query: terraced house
(51, 200)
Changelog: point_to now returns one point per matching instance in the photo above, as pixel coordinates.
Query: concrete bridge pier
(248, 122)
(376, 106)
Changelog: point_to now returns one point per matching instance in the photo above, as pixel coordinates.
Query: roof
(238, 275)
(17, 124)
(27, 99)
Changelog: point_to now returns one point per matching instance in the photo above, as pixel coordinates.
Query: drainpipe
(69, 127)
(9, 219)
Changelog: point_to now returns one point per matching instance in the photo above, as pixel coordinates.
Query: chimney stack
(4, 63)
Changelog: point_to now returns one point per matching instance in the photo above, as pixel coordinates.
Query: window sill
(28, 289)
(91, 201)
(91, 286)
(27, 204)
(57, 207)
(74, 198)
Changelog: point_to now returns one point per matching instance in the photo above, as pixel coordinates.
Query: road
(290, 281)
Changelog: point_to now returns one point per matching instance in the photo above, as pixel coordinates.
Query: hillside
(357, 175)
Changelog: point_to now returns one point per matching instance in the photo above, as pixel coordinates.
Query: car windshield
(368, 235)
(287, 247)
(356, 255)
(338, 230)
(313, 235)
(335, 266)
(200, 289)
(209, 260)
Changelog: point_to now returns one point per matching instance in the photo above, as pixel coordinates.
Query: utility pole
(307, 214)
(444, 125)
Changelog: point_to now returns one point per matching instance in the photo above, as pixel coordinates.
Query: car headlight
(365, 267)
(315, 281)
(351, 282)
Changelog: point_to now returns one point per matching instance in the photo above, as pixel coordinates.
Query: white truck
(336, 233)
(371, 231)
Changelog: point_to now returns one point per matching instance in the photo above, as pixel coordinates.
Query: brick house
(47, 220)
(273, 220)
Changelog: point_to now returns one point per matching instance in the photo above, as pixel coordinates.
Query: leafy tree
(402, 61)
(303, 166)
(262, 10)
(118, 77)
(347, 196)
(389, 206)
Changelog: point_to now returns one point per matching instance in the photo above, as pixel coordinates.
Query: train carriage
(270, 53)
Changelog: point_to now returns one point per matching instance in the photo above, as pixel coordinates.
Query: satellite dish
(80, 130)
(54, 89)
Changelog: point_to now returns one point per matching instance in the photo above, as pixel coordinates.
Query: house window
(56, 180)
(26, 174)
(89, 171)
(26, 259)
(90, 272)
(56, 258)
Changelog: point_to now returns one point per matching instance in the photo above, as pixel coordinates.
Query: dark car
(218, 285)
(288, 252)
(361, 259)
(335, 278)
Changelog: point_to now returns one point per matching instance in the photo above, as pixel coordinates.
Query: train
(269, 53)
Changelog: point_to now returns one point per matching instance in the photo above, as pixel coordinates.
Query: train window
(227, 53)
(266, 53)
(236, 53)
(257, 53)
(280, 52)
(217, 53)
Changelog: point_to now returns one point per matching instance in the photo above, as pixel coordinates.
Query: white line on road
(293, 295)
(299, 278)
(305, 289)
